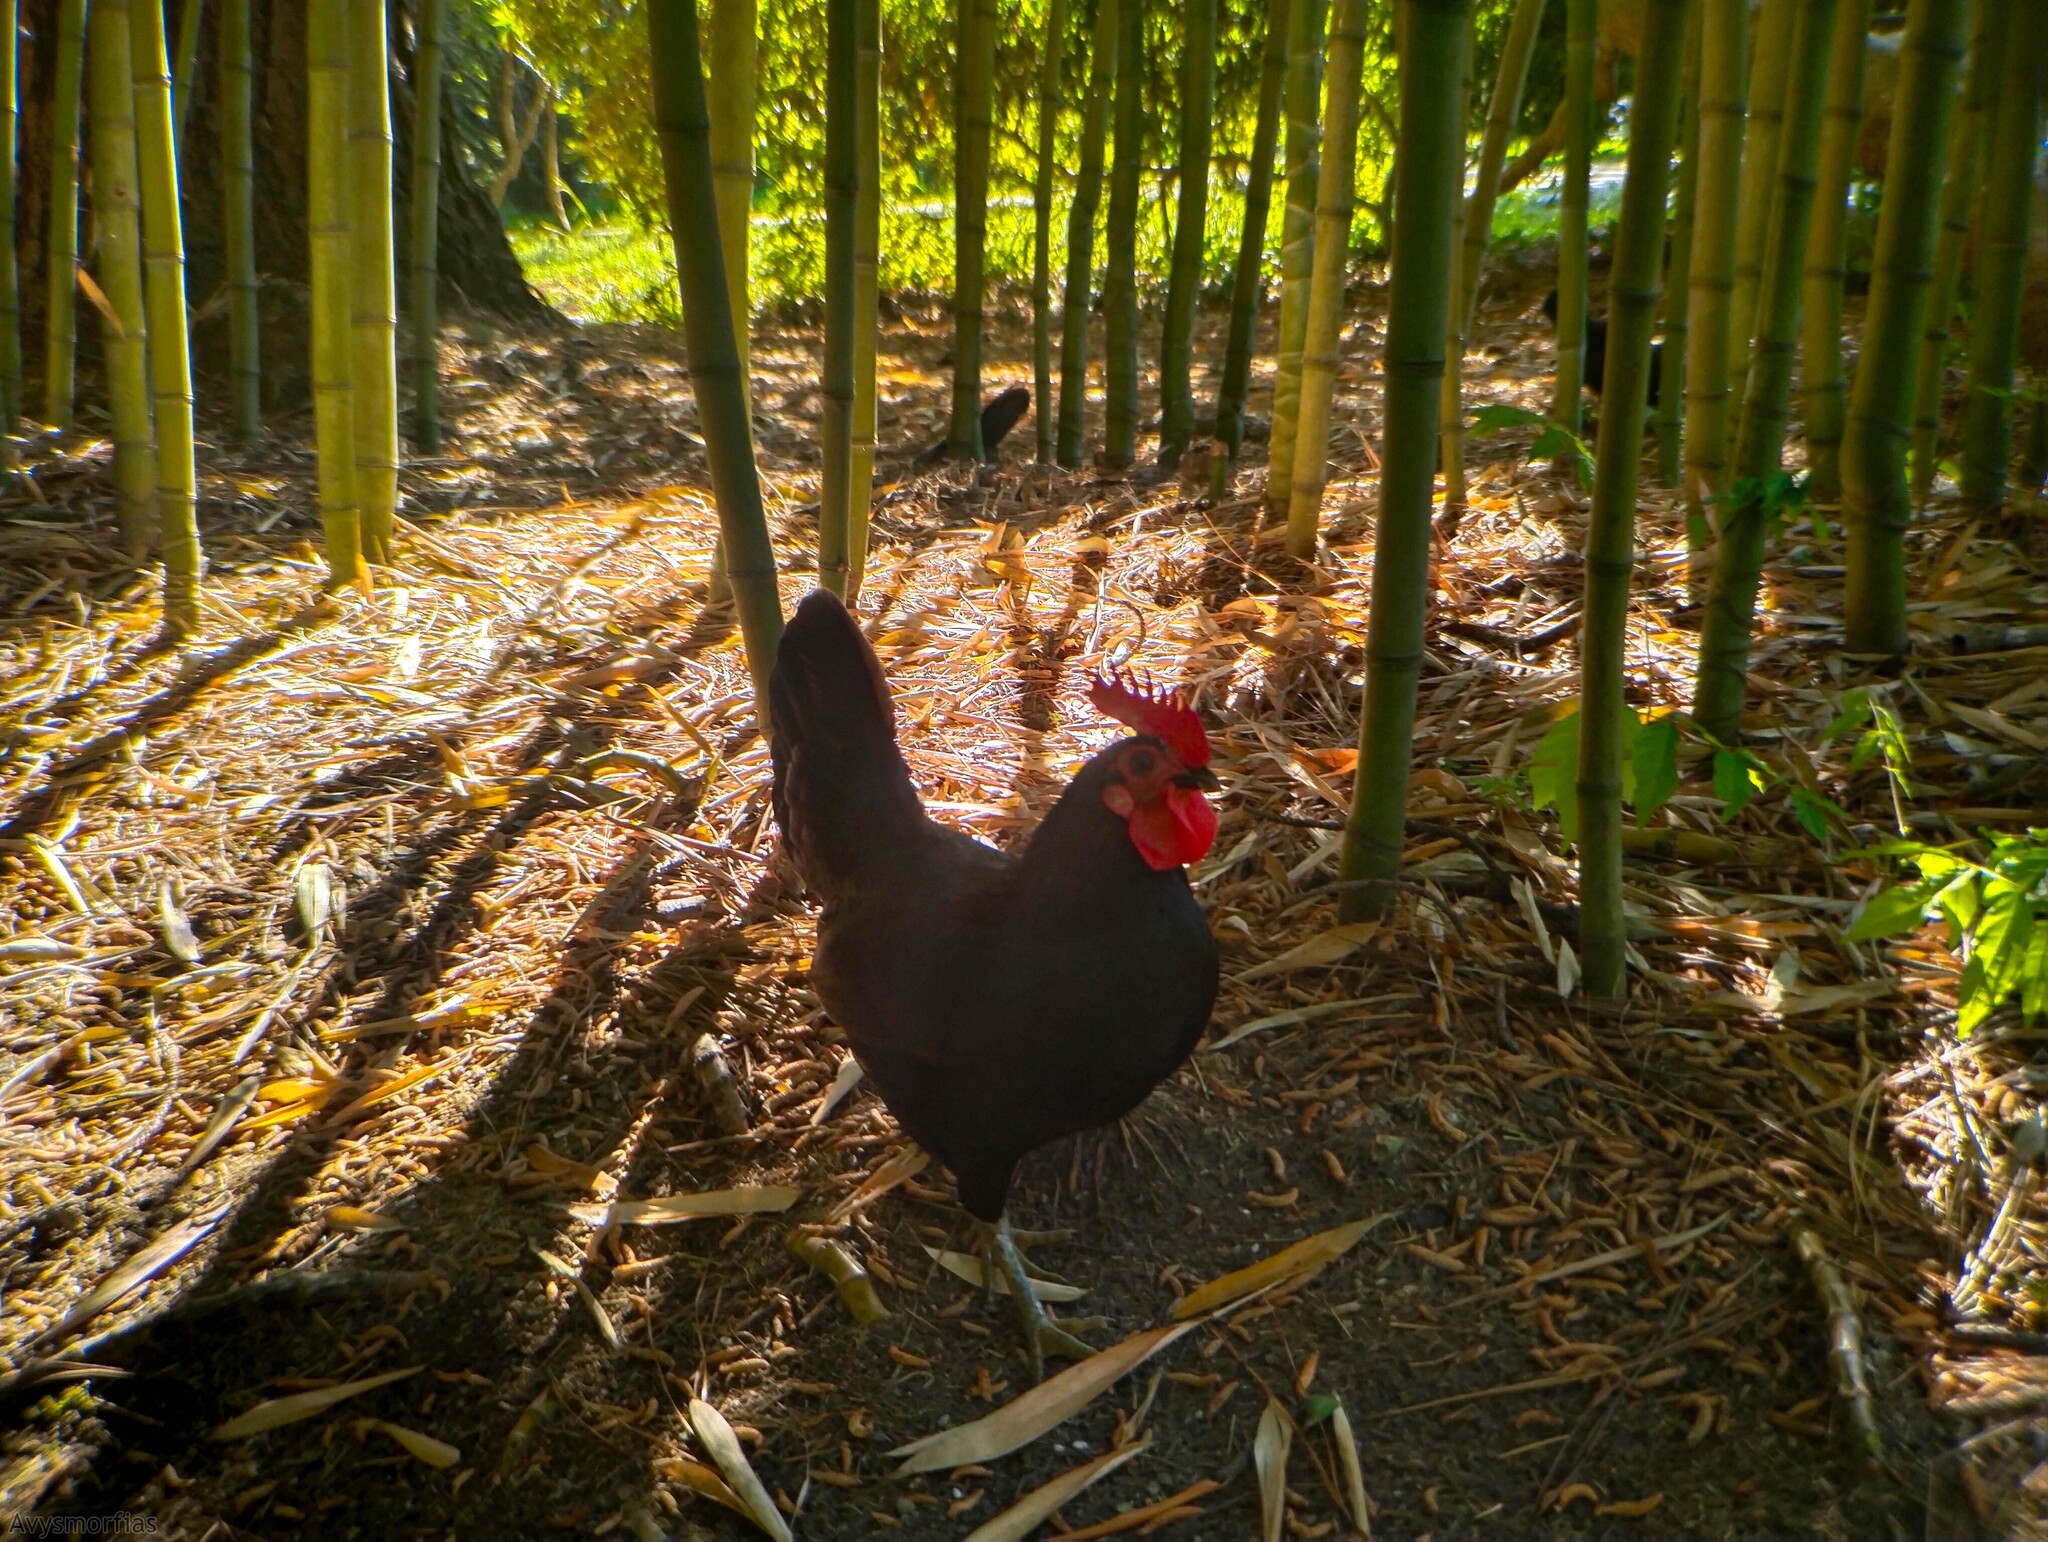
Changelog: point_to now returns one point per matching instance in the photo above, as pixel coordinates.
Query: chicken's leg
(1041, 1334)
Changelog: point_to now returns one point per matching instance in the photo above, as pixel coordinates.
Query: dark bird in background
(997, 1001)
(1596, 350)
(999, 414)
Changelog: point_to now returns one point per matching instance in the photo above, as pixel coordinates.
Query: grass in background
(617, 273)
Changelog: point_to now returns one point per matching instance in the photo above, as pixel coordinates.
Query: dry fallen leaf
(425, 1448)
(723, 1447)
(671, 1208)
(1298, 1258)
(277, 1412)
(970, 1268)
(1329, 947)
(1354, 1473)
(1017, 1522)
(1270, 1446)
(1045, 1406)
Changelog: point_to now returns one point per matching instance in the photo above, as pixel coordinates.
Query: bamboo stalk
(867, 248)
(1581, 36)
(1190, 224)
(60, 307)
(238, 206)
(730, 88)
(1769, 72)
(1678, 288)
(1610, 530)
(170, 355)
(974, 63)
(118, 257)
(1297, 242)
(1476, 232)
(431, 23)
(1824, 382)
(190, 16)
(1876, 502)
(1334, 200)
(10, 271)
(683, 128)
(1428, 183)
(1120, 277)
(842, 192)
(373, 302)
(1959, 188)
(1041, 226)
(1743, 524)
(1707, 390)
(1081, 236)
(327, 228)
(1251, 251)
(2014, 143)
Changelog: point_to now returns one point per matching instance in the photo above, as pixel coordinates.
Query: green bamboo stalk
(1297, 243)
(1251, 252)
(1610, 530)
(1190, 224)
(1476, 231)
(170, 355)
(1335, 194)
(189, 17)
(842, 193)
(1081, 236)
(1450, 432)
(1041, 233)
(1678, 288)
(1824, 382)
(327, 227)
(1120, 275)
(431, 24)
(1959, 188)
(683, 127)
(373, 300)
(1876, 503)
(1723, 73)
(60, 308)
(867, 252)
(116, 213)
(731, 92)
(974, 63)
(1581, 35)
(1769, 71)
(1428, 184)
(10, 273)
(238, 205)
(2002, 259)
(1760, 438)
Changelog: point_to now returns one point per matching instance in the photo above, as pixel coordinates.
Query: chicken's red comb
(1162, 714)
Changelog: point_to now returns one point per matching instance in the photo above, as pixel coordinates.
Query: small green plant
(1996, 911)
(1554, 442)
(1649, 767)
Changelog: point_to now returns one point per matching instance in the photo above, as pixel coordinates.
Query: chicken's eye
(1142, 763)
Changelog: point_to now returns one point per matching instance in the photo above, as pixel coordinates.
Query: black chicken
(999, 414)
(1596, 350)
(996, 1001)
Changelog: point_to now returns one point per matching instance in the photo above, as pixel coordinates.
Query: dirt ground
(486, 921)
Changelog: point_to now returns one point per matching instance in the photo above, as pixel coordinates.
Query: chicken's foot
(1041, 1334)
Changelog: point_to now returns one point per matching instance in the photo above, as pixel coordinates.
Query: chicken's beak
(1201, 778)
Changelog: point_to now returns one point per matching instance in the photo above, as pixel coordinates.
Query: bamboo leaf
(1275, 1438)
(1046, 1406)
(1297, 1259)
(280, 1411)
(1018, 1522)
(723, 1447)
(671, 1208)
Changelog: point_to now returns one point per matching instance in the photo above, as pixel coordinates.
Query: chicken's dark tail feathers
(841, 788)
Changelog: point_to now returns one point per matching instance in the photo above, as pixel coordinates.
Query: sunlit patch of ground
(484, 908)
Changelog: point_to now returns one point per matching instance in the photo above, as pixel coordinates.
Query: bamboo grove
(1741, 137)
